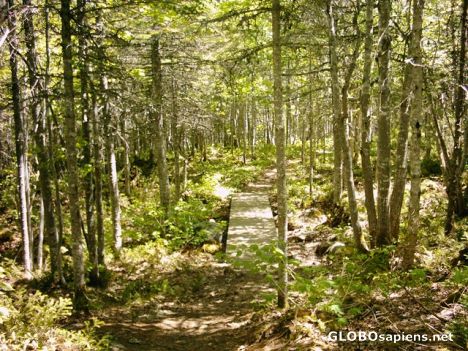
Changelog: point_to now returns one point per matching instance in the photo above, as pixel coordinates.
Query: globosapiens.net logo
(373, 336)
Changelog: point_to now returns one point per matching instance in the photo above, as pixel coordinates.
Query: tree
(410, 242)
(72, 167)
(367, 172)
(383, 125)
(90, 233)
(21, 146)
(280, 142)
(346, 150)
(38, 113)
(337, 121)
(156, 94)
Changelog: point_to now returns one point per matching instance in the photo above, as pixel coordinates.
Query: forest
(233, 175)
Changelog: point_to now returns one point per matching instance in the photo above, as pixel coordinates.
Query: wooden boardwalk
(251, 222)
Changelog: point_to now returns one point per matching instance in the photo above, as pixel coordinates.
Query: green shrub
(30, 320)
(430, 167)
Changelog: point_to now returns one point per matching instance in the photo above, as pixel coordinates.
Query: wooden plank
(251, 222)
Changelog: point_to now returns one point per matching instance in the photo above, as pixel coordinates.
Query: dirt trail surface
(213, 313)
(209, 305)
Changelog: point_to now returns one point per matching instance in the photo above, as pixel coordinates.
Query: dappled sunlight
(219, 190)
(251, 222)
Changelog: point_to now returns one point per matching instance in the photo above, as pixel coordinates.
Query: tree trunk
(58, 218)
(20, 143)
(398, 190)
(244, 126)
(40, 237)
(86, 134)
(39, 119)
(280, 141)
(411, 239)
(347, 154)
(126, 157)
(109, 131)
(337, 122)
(112, 164)
(253, 129)
(459, 151)
(70, 143)
(98, 181)
(367, 171)
(175, 142)
(383, 122)
(454, 163)
(156, 92)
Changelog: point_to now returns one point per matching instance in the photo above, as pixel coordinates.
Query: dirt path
(209, 305)
(212, 314)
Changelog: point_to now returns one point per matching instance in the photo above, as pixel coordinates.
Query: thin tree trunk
(175, 142)
(411, 239)
(126, 158)
(109, 131)
(39, 118)
(86, 134)
(253, 129)
(243, 124)
(398, 190)
(58, 218)
(20, 143)
(40, 237)
(337, 122)
(280, 141)
(112, 163)
(383, 122)
(156, 91)
(367, 171)
(347, 154)
(98, 181)
(459, 151)
(312, 135)
(70, 139)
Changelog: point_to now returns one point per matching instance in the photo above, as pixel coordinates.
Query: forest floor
(212, 311)
(209, 305)
(191, 297)
(195, 301)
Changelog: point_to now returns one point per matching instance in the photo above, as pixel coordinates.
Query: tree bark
(347, 153)
(86, 134)
(411, 239)
(175, 142)
(20, 143)
(109, 131)
(112, 163)
(383, 123)
(72, 167)
(97, 156)
(156, 92)
(280, 141)
(398, 190)
(367, 170)
(337, 122)
(58, 218)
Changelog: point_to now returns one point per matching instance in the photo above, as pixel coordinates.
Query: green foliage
(30, 320)
(460, 276)
(343, 295)
(143, 287)
(430, 167)
(459, 326)
(7, 188)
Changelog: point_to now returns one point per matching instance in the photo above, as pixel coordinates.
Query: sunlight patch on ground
(221, 191)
